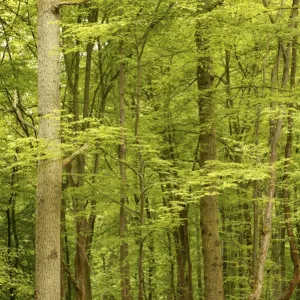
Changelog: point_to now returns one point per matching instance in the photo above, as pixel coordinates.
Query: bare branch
(67, 3)
(69, 159)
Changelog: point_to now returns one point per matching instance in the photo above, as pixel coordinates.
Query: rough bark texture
(48, 206)
(209, 212)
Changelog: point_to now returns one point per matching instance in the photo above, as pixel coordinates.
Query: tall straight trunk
(141, 178)
(180, 233)
(198, 254)
(12, 251)
(66, 281)
(48, 206)
(170, 293)
(209, 212)
(152, 268)
(84, 225)
(256, 194)
(142, 196)
(198, 239)
(124, 264)
(287, 294)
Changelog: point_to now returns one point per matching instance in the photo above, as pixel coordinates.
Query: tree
(209, 219)
(48, 206)
(206, 158)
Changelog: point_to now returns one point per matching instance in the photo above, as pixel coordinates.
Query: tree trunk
(209, 212)
(287, 294)
(170, 290)
(48, 206)
(141, 179)
(152, 267)
(184, 266)
(84, 226)
(124, 265)
(267, 222)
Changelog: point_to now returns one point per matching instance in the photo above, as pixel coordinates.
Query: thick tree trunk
(209, 219)
(209, 212)
(48, 206)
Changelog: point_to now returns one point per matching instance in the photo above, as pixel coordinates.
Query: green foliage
(159, 37)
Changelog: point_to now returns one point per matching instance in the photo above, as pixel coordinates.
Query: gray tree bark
(48, 206)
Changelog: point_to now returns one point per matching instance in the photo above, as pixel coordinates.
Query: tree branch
(69, 159)
(74, 282)
(67, 3)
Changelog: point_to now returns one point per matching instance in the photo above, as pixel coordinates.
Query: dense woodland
(149, 149)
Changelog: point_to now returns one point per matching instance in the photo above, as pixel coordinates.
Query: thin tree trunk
(267, 222)
(198, 252)
(141, 178)
(180, 234)
(124, 264)
(84, 226)
(275, 131)
(151, 268)
(256, 195)
(12, 237)
(184, 268)
(287, 294)
(171, 290)
(66, 282)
